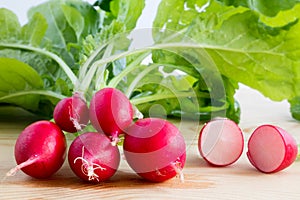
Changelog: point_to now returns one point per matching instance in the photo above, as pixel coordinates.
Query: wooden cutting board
(201, 181)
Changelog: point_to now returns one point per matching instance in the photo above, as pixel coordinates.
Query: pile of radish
(154, 148)
(270, 148)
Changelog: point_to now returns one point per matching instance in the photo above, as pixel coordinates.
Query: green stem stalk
(156, 97)
(32, 92)
(53, 56)
(130, 67)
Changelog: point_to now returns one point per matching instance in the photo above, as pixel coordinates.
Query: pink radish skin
(221, 142)
(155, 149)
(71, 114)
(271, 149)
(110, 112)
(40, 150)
(92, 157)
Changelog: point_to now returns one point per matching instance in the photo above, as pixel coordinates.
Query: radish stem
(129, 68)
(30, 92)
(53, 56)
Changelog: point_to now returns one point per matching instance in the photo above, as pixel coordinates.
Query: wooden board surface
(238, 181)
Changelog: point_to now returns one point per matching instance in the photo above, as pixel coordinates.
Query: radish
(221, 142)
(40, 150)
(110, 112)
(271, 149)
(92, 157)
(71, 114)
(155, 149)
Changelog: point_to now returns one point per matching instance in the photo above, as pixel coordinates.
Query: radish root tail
(88, 168)
(177, 167)
(75, 120)
(17, 168)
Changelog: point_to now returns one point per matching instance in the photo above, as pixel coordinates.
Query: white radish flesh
(221, 142)
(271, 149)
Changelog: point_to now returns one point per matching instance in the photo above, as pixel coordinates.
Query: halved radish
(221, 142)
(271, 149)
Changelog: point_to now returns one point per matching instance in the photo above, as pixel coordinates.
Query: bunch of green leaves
(246, 44)
(202, 50)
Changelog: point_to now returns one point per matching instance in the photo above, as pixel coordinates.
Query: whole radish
(155, 149)
(271, 149)
(93, 158)
(71, 114)
(40, 150)
(110, 112)
(220, 142)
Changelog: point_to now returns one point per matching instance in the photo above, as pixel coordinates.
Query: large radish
(155, 149)
(93, 158)
(110, 112)
(40, 150)
(271, 149)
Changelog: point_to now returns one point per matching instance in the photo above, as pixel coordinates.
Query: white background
(20, 7)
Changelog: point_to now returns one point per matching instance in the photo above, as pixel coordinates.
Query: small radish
(40, 150)
(271, 149)
(221, 142)
(92, 157)
(71, 114)
(110, 112)
(155, 149)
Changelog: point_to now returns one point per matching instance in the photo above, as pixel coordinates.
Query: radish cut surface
(271, 149)
(221, 142)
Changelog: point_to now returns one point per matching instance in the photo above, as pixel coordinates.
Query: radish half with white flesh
(221, 142)
(271, 149)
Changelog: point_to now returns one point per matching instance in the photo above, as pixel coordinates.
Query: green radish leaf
(269, 8)
(59, 32)
(91, 17)
(74, 19)
(10, 26)
(246, 47)
(17, 79)
(34, 32)
(127, 11)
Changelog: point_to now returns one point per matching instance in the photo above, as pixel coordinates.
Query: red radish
(110, 112)
(271, 149)
(92, 157)
(71, 114)
(155, 149)
(40, 150)
(221, 142)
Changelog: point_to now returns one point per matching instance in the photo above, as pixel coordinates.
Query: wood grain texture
(238, 181)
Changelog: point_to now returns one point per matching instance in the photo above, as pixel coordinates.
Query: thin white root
(178, 169)
(76, 124)
(17, 168)
(75, 120)
(88, 168)
(181, 176)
